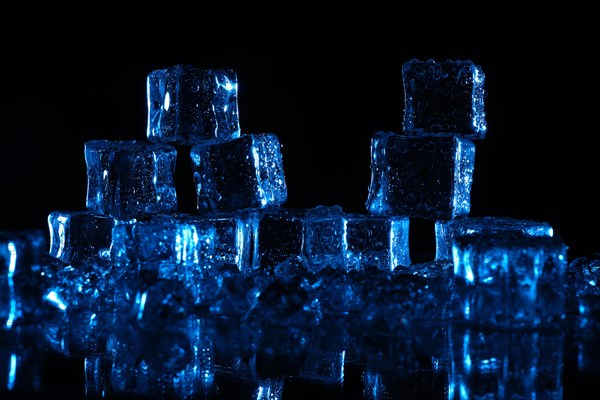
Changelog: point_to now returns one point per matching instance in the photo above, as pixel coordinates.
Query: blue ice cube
(130, 178)
(509, 280)
(325, 236)
(446, 231)
(314, 238)
(197, 250)
(444, 98)
(188, 105)
(378, 241)
(242, 173)
(424, 177)
(280, 236)
(21, 254)
(498, 364)
(183, 239)
(233, 240)
(77, 235)
(169, 251)
(162, 240)
(325, 240)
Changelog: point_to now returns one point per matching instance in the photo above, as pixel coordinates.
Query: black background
(324, 82)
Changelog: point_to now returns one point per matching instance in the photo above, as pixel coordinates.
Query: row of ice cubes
(135, 179)
(516, 266)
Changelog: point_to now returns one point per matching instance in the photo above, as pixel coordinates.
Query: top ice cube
(444, 99)
(188, 105)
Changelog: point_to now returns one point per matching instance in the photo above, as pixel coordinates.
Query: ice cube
(196, 250)
(242, 173)
(424, 177)
(130, 178)
(78, 235)
(280, 236)
(378, 241)
(446, 231)
(443, 98)
(325, 240)
(313, 238)
(188, 105)
(509, 280)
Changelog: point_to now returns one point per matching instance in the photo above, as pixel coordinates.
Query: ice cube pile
(247, 298)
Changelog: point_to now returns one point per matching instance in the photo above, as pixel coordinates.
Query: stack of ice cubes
(248, 293)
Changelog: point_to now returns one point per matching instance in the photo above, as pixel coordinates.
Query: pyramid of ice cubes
(427, 172)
